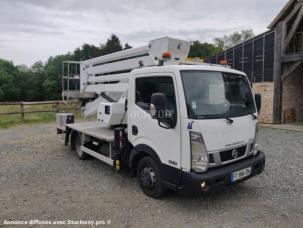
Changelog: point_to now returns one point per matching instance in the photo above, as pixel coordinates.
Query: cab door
(143, 129)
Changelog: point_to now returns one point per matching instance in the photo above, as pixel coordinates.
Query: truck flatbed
(93, 129)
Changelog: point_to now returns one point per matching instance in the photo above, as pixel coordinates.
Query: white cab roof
(173, 68)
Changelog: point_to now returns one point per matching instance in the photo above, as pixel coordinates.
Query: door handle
(134, 130)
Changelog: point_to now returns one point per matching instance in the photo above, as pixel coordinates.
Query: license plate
(238, 175)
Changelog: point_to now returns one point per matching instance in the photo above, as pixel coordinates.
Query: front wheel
(149, 178)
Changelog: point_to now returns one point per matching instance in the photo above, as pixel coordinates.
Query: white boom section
(109, 74)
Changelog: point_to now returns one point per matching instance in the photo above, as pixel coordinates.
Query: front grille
(227, 155)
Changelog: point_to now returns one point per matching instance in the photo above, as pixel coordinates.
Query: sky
(33, 30)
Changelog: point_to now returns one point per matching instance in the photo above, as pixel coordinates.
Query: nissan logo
(234, 154)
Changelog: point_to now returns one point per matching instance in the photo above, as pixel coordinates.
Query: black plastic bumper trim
(218, 178)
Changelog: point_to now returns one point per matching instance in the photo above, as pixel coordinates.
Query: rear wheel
(78, 143)
(149, 178)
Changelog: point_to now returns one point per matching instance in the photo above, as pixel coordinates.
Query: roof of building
(284, 12)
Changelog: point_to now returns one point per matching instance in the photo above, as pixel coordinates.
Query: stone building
(273, 62)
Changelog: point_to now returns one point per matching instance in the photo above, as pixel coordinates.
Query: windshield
(216, 95)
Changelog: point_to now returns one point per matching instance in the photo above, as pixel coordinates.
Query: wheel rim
(148, 178)
(78, 147)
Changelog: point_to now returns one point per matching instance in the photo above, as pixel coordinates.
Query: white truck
(174, 124)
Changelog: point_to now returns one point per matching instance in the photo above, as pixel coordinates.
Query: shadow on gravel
(230, 193)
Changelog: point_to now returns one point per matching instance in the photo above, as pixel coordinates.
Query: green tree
(202, 50)
(86, 51)
(228, 41)
(53, 70)
(23, 68)
(38, 67)
(127, 46)
(8, 81)
(112, 45)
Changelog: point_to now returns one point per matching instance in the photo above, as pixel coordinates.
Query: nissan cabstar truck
(174, 124)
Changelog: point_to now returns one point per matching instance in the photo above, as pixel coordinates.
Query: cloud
(32, 30)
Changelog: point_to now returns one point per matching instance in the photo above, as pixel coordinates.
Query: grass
(13, 120)
(7, 121)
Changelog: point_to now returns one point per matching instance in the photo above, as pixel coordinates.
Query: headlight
(251, 147)
(199, 157)
(256, 150)
(256, 146)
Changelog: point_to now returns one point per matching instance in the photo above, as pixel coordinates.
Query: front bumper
(220, 177)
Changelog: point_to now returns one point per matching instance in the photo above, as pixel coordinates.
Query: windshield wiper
(215, 116)
(254, 116)
(229, 120)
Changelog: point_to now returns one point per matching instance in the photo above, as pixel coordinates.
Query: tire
(80, 154)
(149, 178)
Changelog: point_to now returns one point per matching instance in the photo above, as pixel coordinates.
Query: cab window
(146, 86)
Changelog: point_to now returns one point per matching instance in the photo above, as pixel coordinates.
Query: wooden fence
(22, 110)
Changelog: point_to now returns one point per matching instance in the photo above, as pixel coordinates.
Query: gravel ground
(42, 179)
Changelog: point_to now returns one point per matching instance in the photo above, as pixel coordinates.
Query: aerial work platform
(86, 80)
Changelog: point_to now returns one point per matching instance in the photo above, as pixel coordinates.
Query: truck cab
(197, 123)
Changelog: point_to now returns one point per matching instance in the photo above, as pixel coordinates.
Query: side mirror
(157, 105)
(158, 110)
(258, 100)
